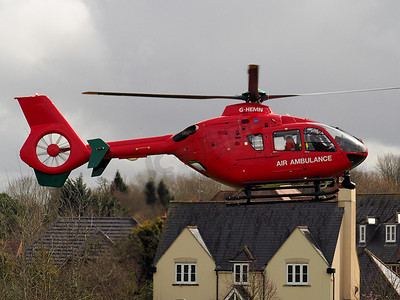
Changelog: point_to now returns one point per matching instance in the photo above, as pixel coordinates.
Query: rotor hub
(53, 150)
(259, 97)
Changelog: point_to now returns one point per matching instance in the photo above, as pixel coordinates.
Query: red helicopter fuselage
(247, 144)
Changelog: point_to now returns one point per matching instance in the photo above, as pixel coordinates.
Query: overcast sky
(61, 48)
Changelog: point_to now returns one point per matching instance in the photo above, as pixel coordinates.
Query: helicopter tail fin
(53, 149)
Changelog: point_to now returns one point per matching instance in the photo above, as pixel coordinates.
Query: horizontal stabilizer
(97, 171)
(96, 160)
(99, 150)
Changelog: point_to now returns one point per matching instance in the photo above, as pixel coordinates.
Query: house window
(390, 233)
(363, 233)
(394, 267)
(297, 274)
(185, 273)
(241, 273)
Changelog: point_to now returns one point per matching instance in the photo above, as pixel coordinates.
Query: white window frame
(390, 233)
(363, 233)
(394, 267)
(185, 273)
(241, 272)
(295, 274)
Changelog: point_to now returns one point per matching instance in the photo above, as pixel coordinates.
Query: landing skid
(322, 189)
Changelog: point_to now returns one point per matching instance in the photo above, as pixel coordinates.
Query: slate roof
(372, 279)
(69, 237)
(384, 208)
(263, 228)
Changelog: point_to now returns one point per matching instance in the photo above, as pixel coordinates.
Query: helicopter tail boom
(52, 148)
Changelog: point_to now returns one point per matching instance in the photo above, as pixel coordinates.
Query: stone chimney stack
(349, 266)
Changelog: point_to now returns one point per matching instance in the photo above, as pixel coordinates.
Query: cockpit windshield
(347, 142)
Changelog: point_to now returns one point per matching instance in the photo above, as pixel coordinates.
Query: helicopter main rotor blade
(171, 96)
(253, 83)
(269, 97)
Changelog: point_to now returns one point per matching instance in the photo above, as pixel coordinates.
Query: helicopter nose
(356, 159)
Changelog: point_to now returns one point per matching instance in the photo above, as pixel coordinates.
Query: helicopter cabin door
(288, 148)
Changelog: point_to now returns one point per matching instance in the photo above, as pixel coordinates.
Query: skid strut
(316, 184)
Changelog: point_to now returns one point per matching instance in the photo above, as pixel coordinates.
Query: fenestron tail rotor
(53, 150)
(253, 94)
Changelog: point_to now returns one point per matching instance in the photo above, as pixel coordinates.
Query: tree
(388, 166)
(43, 277)
(193, 187)
(10, 210)
(150, 192)
(372, 182)
(142, 246)
(118, 184)
(104, 205)
(163, 193)
(385, 178)
(75, 198)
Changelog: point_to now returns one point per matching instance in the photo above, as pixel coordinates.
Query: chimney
(349, 266)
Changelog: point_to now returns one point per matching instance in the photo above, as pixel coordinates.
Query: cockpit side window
(256, 141)
(316, 140)
(287, 140)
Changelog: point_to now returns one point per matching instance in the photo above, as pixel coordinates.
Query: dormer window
(371, 220)
(241, 273)
(363, 233)
(390, 233)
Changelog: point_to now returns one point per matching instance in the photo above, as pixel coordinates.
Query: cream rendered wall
(226, 284)
(337, 265)
(186, 248)
(297, 249)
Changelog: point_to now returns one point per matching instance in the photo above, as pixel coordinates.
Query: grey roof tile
(71, 236)
(262, 228)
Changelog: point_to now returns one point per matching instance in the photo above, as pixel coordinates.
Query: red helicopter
(247, 146)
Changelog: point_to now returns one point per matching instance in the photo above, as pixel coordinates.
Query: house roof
(376, 278)
(263, 228)
(384, 207)
(376, 251)
(390, 276)
(306, 232)
(195, 232)
(71, 236)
